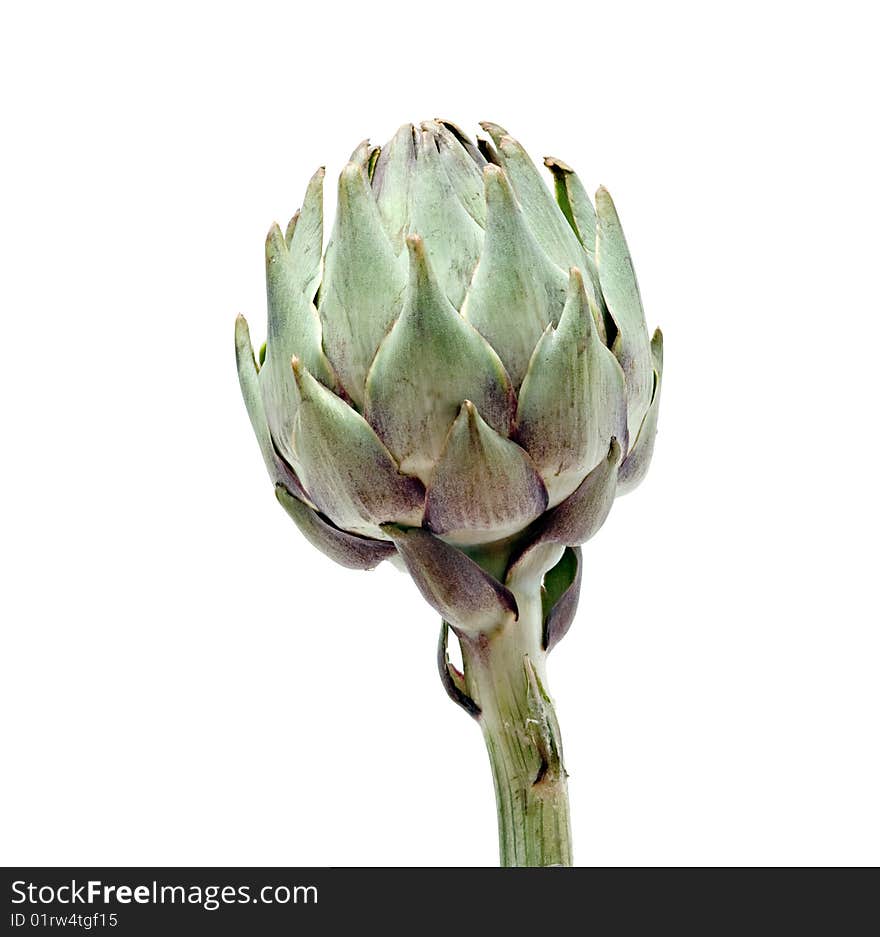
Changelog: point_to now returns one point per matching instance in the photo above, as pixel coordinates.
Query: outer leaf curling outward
(635, 465)
(344, 548)
(462, 592)
(576, 519)
(559, 596)
(279, 471)
(620, 289)
(452, 680)
(346, 469)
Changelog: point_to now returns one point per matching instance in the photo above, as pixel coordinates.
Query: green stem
(505, 675)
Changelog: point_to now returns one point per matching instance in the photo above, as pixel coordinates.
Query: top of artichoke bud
(462, 356)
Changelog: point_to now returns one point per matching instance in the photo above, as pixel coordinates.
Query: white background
(186, 681)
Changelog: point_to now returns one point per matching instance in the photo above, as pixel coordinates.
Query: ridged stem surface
(505, 675)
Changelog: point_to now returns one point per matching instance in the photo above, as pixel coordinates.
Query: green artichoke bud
(465, 356)
(464, 382)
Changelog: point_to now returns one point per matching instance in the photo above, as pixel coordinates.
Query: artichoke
(462, 383)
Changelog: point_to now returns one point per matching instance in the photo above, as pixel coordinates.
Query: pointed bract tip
(496, 184)
(243, 340)
(495, 131)
(418, 260)
(575, 280)
(291, 227)
(552, 163)
(577, 289)
(274, 237)
(451, 127)
(276, 246)
(405, 135)
(604, 202)
(350, 179)
(614, 452)
(420, 275)
(350, 171)
(498, 192)
(297, 366)
(468, 411)
(657, 349)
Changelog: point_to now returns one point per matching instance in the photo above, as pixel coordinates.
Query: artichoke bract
(463, 382)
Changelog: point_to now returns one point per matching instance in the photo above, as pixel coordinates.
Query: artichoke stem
(505, 675)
